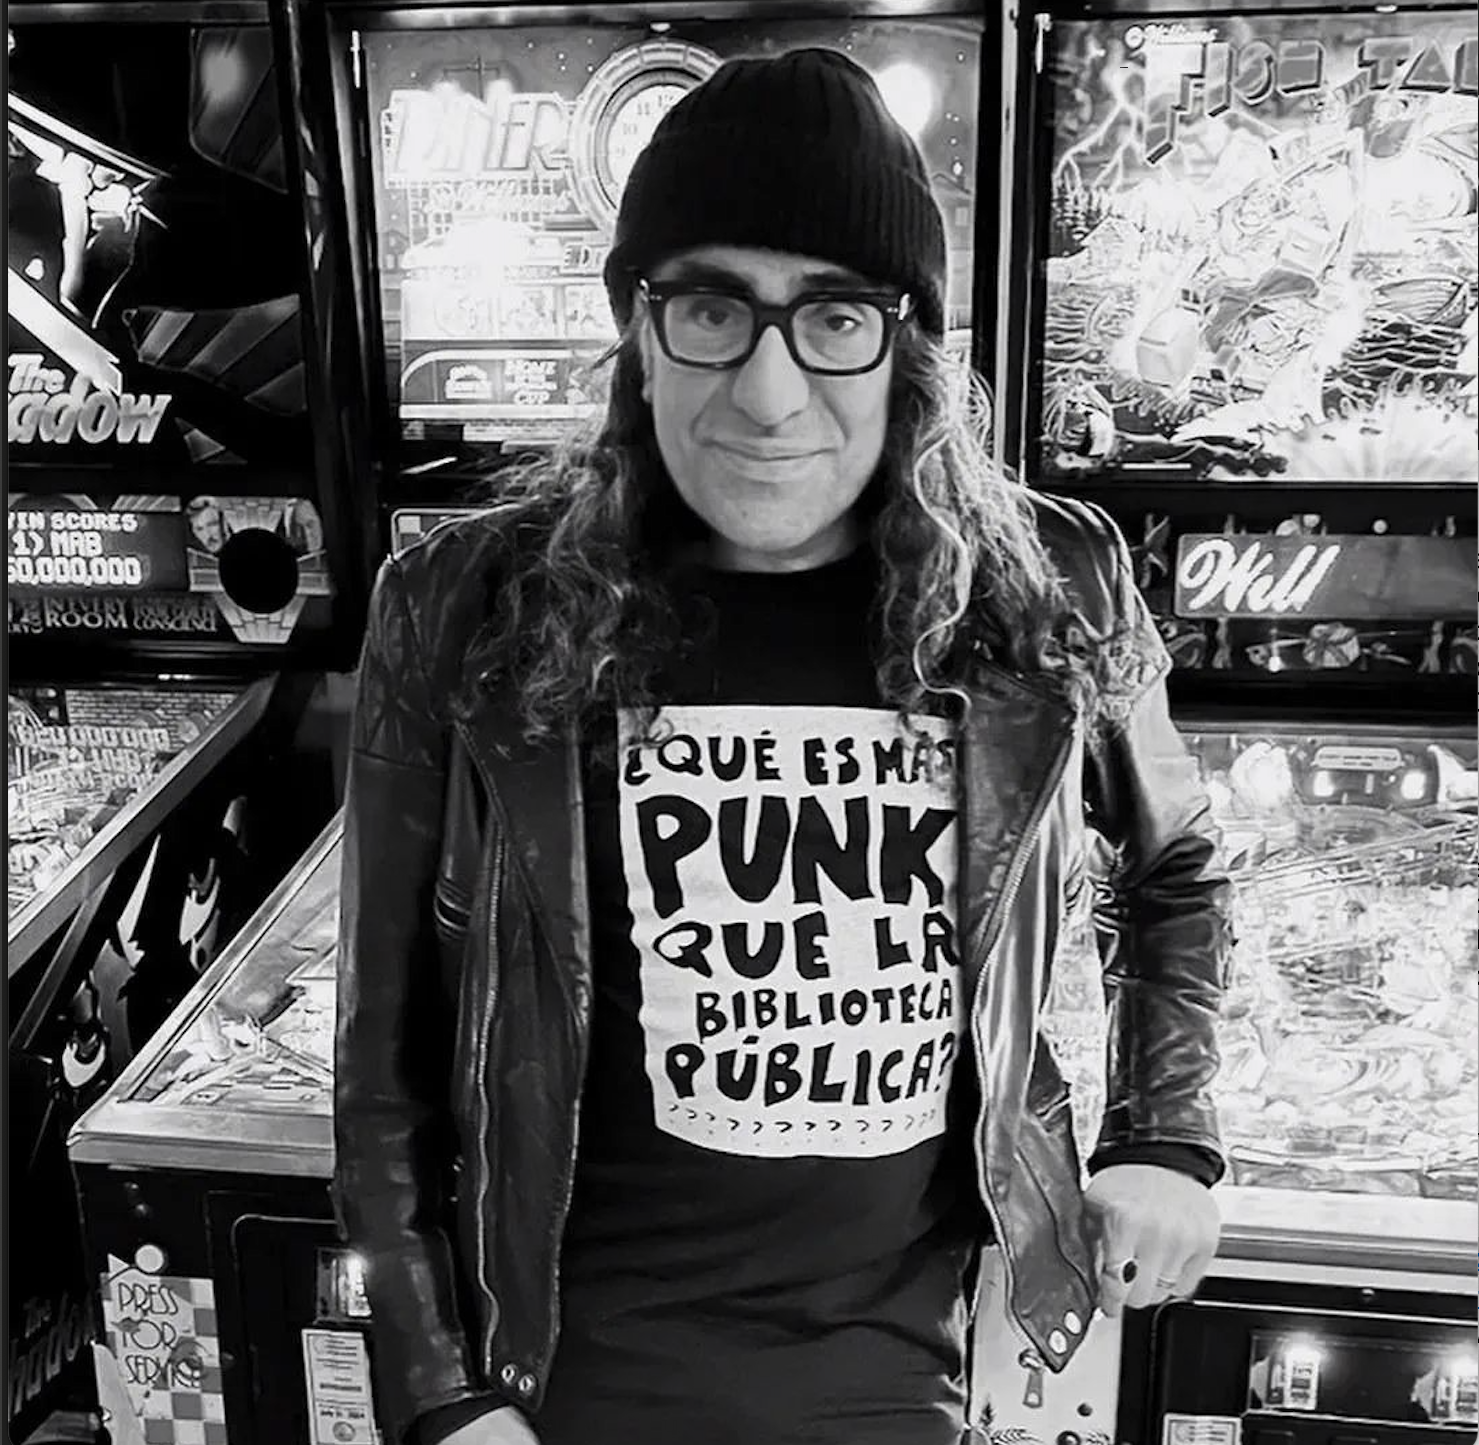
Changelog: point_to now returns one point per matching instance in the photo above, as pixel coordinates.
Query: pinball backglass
(498, 158)
(1260, 248)
(162, 488)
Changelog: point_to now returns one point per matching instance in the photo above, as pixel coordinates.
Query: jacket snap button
(1057, 1342)
(508, 1374)
(1072, 1323)
(527, 1384)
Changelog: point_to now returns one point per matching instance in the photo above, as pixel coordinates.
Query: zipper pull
(1041, 25)
(1032, 1389)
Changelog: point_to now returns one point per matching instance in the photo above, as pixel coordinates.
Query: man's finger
(1192, 1273)
(1119, 1274)
(1160, 1271)
(1117, 1248)
(1158, 1274)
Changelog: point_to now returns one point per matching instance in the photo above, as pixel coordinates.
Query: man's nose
(769, 388)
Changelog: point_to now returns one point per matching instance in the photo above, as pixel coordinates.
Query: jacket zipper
(1008, 898)
(562, 1213)
(493, 872)
(485, 1123)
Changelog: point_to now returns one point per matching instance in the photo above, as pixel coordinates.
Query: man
(715, 805)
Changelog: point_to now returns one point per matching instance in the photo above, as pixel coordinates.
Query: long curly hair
(590, 548)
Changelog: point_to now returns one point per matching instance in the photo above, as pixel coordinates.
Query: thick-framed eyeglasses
(831, 333)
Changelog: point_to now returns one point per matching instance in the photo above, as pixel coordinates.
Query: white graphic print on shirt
(792, 873)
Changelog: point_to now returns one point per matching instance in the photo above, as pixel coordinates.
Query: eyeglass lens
(828, 334)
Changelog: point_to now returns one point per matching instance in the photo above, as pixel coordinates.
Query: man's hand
(504, 1426)
(1157, 1232)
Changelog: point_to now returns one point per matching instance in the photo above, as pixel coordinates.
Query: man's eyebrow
(707, 273)
(835, 276)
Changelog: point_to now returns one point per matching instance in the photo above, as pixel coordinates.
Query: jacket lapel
(535, 794)
(1014, 735)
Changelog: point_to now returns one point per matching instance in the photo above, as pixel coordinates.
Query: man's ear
(646, 350)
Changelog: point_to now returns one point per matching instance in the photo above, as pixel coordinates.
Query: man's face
(770, 457)
(209, 528)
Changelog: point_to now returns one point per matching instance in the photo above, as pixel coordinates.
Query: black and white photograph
(742, 724)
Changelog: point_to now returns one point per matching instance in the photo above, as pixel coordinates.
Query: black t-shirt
(770, 1236)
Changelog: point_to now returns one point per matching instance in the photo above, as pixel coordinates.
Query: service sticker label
(1201, 1430)
(336, 1370)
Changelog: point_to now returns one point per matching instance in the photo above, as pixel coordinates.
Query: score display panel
(205, 569)
(83, 548)
(497, 166)
(1259, 248)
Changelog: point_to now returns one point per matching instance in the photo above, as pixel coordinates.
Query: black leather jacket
(465, 974)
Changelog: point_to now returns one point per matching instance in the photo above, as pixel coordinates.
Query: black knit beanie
(796, 153)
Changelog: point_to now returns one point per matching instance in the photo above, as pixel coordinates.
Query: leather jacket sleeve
(1162, 910)
(394, 1144)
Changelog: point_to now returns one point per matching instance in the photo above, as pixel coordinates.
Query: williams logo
(1347, 578)
(1225, 577)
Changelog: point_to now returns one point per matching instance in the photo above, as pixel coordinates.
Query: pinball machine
(478, 157)
(183, 572)
(1238, 282)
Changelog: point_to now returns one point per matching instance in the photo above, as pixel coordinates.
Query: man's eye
(711, 312)
(835, 318)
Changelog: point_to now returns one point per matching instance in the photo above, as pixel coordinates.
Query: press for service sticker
(336, 1369)
(1201, 1430)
